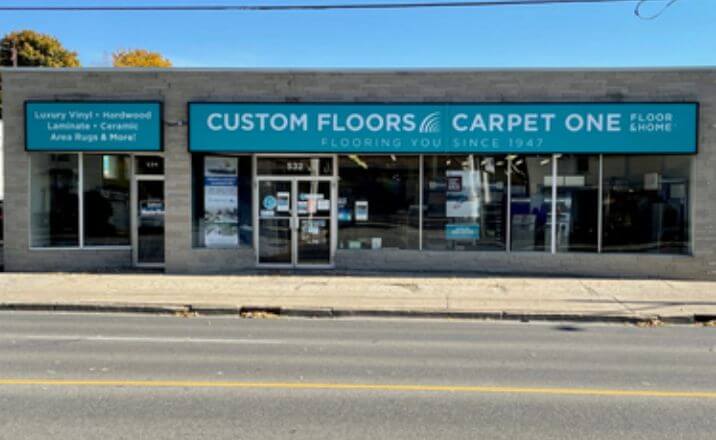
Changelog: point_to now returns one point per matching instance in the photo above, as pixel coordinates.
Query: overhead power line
(312, 7)
(638, 13)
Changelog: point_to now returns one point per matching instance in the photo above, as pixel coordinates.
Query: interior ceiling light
(358, 161)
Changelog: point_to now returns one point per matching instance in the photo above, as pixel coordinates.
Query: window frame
(192, 200)
(339, 179)
(554, 191)
(421, 176)
(689, 208)
(80, 185)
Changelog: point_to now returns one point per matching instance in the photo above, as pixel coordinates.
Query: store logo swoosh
(431, 123)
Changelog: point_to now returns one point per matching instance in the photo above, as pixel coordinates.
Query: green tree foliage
(36, 49)
(139, 58)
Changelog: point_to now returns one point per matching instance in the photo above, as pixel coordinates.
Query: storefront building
(570, 172)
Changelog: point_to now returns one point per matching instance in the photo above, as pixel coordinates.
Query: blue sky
(515, 36)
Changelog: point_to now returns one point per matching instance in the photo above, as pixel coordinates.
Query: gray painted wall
(2, 180)
(2, 168)
(176, 87)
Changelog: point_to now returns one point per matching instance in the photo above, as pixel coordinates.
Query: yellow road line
(359, 387)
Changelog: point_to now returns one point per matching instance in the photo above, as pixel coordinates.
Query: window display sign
(283, 201)
(93, 126)
(324, 205)
(151, 207)
(221, 202)
(345, 214)
(427, 128)
(302, 207)
(455, 231)
(361, 208)
(269, 202)
(462, 194)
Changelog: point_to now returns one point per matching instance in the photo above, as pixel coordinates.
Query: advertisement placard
(462, 194)
(221, 204)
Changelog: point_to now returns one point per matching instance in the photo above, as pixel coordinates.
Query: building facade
(570, 172)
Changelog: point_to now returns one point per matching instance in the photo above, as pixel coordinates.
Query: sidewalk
(366, 295)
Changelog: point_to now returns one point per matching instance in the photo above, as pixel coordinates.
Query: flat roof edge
(354, 70)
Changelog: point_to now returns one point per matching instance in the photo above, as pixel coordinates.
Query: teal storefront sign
(659, 128)
(93, 126)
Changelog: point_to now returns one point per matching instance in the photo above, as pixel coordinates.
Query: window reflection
(378, 202)
(465, 201)
(531, 204)
(106, 199)
(577, 203)
(646, 204)
(54, 200)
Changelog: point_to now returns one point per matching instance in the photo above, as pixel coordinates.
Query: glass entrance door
(275, 242)
(149, 248)
(294, 222)
(313, 218)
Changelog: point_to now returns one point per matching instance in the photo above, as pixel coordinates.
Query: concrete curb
(327, 312)
(156, 309)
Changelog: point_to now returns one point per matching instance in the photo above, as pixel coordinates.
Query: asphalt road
(74, 376)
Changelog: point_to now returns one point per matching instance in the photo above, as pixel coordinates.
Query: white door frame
(135, 223)
(294, 220)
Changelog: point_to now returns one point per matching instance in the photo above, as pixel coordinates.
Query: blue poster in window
(462, 231)
(93, 126)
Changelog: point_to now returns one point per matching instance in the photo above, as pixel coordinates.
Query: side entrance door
(295, 221)
(148, 246)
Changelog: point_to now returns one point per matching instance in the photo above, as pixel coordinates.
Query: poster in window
(283, 201)
(651, 181)
(345, 214)
(324, 205)
(361, 210)
(221, 202)
(151, 207)
(302, 207)
(462, 194)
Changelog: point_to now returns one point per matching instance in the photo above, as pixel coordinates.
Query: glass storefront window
(577, 203)
(465, 200)
(106, 180)
(379, 202)
(54, 201)
(531, 203)
(222, 194)
(646, 204)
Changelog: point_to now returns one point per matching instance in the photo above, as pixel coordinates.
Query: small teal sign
(658, 128)
(93, 126)
(458, 231)
(269, 202)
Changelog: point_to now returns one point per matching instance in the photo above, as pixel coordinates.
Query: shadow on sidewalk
(323, 273)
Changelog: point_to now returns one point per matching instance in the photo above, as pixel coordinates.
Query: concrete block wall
(177, 87)
(22, 86)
